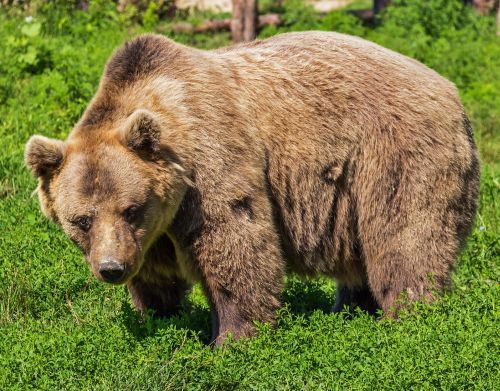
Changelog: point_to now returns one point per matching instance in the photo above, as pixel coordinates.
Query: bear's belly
(332, 262)
(316, 214)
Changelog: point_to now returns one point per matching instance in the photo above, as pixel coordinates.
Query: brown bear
(317, 153)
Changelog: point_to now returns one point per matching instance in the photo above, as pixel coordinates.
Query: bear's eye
(130, 214)
(83, 222)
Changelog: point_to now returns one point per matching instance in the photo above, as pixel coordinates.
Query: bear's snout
(112, 270)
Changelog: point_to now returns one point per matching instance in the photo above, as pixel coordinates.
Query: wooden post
(237, 20)
(498, 19)
(251, 17)
(244, 20)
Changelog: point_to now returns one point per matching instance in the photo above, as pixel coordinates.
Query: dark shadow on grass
(301, 296)
(305, 296)
(193, 318)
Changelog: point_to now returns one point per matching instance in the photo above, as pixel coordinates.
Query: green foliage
(62, 17)
(421, 15)
(342, 23)
(150, 17)
(299, 16)
(296, 16)
(61, 329)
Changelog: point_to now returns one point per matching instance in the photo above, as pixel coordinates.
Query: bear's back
(355, 55)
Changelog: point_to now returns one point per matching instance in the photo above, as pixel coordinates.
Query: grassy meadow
(62, 329)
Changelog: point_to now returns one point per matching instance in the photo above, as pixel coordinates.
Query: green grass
(61, 329)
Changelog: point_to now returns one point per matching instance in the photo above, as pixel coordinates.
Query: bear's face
(113, 196)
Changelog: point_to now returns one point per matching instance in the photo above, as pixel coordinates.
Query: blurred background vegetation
(61, 329)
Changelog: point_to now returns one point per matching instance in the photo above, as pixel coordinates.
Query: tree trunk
(251, 15)
(498, 19)
(244, 20)
(238, 20)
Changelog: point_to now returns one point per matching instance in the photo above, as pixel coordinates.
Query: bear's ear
(43, 155)
(142, 132)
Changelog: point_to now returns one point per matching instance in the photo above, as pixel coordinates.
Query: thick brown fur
(317, 153)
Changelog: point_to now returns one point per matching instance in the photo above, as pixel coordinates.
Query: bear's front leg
(162, 296)
(241, 266)
(157, 286)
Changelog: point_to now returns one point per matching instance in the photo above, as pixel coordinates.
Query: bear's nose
(111, 270)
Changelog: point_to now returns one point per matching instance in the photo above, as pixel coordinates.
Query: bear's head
(114, 191)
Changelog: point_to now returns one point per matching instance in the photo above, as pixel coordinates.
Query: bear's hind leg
(352, 297)
(415, 207)
(396, 278)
